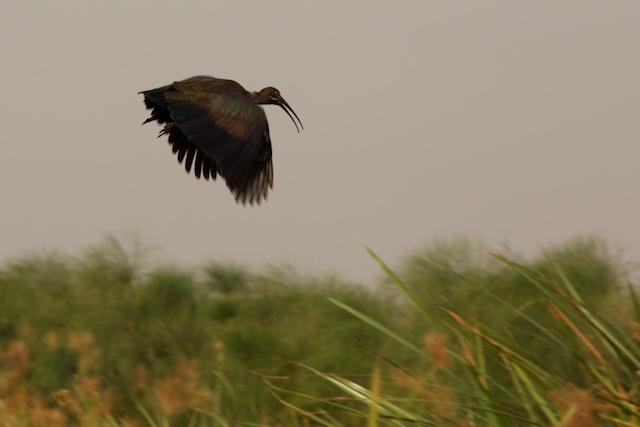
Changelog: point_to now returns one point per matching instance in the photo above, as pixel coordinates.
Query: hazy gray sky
(511, 121)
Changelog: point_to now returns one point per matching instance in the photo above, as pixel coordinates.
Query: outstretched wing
(181, 146)
(215, 123)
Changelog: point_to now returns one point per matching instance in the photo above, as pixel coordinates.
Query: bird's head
(271, 95)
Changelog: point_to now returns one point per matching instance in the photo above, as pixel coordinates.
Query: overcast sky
(513, 122)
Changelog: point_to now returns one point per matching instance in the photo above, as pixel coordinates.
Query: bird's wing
(222, 121)
(181, 146)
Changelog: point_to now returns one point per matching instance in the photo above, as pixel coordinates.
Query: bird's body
(219, 128)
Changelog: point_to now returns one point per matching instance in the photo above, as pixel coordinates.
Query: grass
(448, 339)
(460, 389)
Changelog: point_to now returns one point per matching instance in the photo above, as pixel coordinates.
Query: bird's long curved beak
(286, 107)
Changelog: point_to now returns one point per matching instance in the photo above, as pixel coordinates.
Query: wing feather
(215, 123)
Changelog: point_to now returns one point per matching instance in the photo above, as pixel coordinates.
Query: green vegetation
(455, 336)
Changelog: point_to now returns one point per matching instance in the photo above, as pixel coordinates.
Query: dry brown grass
(82, 342)
(181, 391)
(87, 401)
(427, 384)
(579, 405)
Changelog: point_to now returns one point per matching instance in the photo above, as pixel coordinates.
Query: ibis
(216, 127)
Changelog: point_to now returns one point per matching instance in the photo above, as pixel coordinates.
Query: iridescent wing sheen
(215, 123)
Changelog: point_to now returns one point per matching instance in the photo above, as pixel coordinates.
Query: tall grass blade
(395, 279)
(389, 332)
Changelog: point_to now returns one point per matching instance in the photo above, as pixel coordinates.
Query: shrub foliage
(111, 338)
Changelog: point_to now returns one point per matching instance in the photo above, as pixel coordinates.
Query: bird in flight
(218, 128)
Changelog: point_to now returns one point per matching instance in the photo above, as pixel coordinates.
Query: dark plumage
(218, 128)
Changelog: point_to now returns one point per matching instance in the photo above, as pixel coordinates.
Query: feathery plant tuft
(452, 337)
